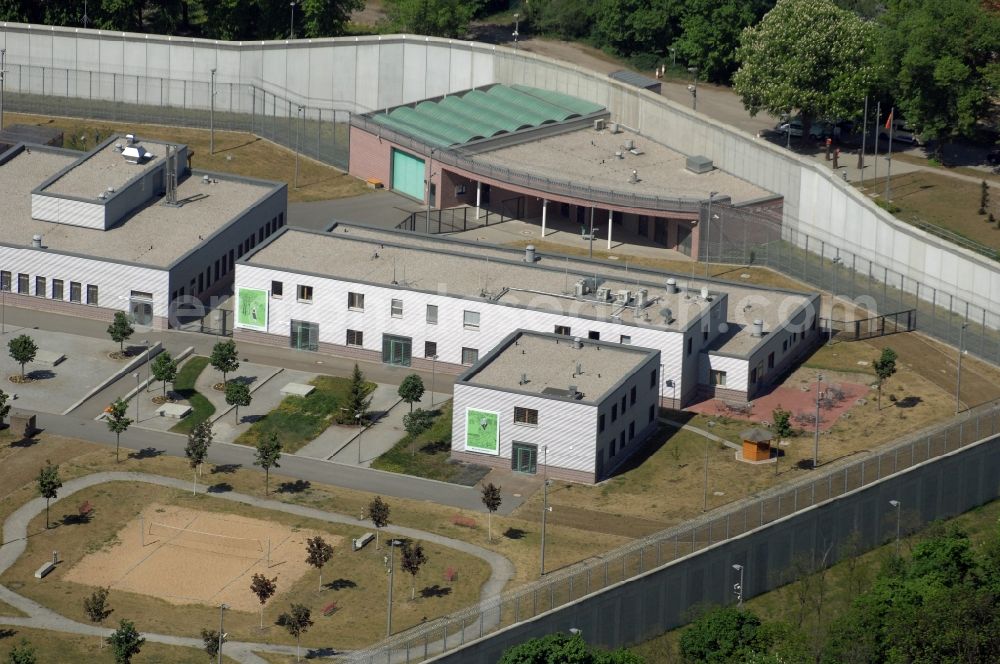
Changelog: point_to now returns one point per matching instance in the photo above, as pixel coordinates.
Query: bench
(359, 543)
(330, 609)
(464, 521)
(85, 509)
(48, 358)
(450, 574)
(374, 183)
(45, 569)
(297, 389)
(175, 411)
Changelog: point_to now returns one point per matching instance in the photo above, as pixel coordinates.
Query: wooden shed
(756, 444)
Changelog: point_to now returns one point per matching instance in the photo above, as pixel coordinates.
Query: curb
(153, 350)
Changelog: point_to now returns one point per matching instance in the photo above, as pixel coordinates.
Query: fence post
(606, 573)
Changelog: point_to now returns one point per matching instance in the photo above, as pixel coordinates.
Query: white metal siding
(67, 211)
(737, 372)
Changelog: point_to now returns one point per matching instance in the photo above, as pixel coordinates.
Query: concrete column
(610, 214)
(545, 207)
(479, 197)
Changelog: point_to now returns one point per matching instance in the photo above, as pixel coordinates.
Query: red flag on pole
(888, 121)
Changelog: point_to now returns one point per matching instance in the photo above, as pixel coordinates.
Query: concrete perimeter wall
(360, 74)
(644, 607)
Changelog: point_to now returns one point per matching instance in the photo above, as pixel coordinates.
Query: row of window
(356, 339)
(622, 441)
(565, 330)
(54, 289)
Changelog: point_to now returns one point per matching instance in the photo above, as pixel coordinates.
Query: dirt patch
(835, 398)
(186, 556)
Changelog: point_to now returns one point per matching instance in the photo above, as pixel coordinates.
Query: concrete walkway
(337, 437)
(16, 540)
(701, 432)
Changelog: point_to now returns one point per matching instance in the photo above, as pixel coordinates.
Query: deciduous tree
(225, 358)
(492, 498)
(125, 642)
(48, 485)
(196, 450)
(411, 560)
(120, 330)
(267, 456)
(885, 367)
(164, 369)
(297, 621)
(263, 588)
(96, 607)
(22, 653)
(118, 422)
(411, 389)
(438, 18)
(318, 554)
(378, 512)
(22, 350)
(238, 394)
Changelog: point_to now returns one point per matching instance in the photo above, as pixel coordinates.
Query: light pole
(708, 230)
(3, 74)
(864, 137)
(898, 506)
(673, 57)
(86, 19)
(291, 24)
(298, 136)
(430, 179)
(958, 383)
(837, 260)
(788, 131)
(388, 612)
(357, 418)
(211, 115)
(433, 367)
(693, 88)
(222, 634)
(738, 588)
(145, 342)
(819, 379)
(545, 500)
(517, 23)
(136, 376)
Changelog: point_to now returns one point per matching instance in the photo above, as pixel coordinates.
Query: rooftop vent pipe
(671, 286)
(36, 241)
(757, 329)
(577, 343)
(529, 254)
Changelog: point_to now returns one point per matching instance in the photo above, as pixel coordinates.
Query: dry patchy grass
(53, 646)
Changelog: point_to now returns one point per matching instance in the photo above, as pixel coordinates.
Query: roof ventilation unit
(529, 254)
(699, 164)
(603, 294)
(671, 286)
(599, 124)
(581, 288)
(135, 154)
(629, 143)
(577, 343)
(36, 241)
(642, 298)
(524, 379)
(205, 179)
(704, 292)
(667, 314)
(757, 329)
(634, 177)
(130, 139)
(623, 296)
(619, 154)
(616, 128)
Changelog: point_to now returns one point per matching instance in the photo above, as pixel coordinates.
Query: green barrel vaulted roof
(477, 114)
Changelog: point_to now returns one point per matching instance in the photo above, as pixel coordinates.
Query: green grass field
(201, 408)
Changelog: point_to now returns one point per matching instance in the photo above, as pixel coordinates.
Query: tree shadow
(227, 468)
(146, 453)
(315, 653)
(220, 487)
(909, 402)
(41, 374)
(252, 419)
(246, 380)
(340, 584)
(77, 519)
(514, 533)
(298, 486)
(804, 464)
(7, 633)
(435, 591)
(435, 447)
(27, 441)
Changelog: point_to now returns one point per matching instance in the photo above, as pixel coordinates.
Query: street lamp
(298, 136)
(145, 342)
(898, 506)
(86, 19)
(3, 73)
(517, 22)
(819, 379)
(211, 115)
(429, 183)
(738, 587)
(222, 634)
(388, 563)
(837, 260)
(693, 87)
(357, 418)
(958, 383)
(433, 367)
(545, 500)
(136, 376)
(291, 25)
(708, 230)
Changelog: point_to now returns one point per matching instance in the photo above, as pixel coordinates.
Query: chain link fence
(320, 133)
(627, 562)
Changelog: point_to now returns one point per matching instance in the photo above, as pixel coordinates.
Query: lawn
(298, 420)
(429, 454)
(51, 646)
(235, 152)
(201, 407)
(355, 580)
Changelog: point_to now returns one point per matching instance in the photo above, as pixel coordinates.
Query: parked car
(817, 130)
(794, 127)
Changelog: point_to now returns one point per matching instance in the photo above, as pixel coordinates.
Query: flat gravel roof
(156, 235)
(551, 361)
(103, 169)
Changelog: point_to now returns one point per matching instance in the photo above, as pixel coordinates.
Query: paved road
(16, 540)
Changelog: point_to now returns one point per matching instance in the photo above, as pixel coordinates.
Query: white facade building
(568, 408)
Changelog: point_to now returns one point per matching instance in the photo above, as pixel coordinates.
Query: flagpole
(878, 118)
(861, 155)
(888, 174)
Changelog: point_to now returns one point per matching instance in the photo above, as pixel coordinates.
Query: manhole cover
(529, 233)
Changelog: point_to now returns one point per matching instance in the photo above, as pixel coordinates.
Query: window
(57, 289)
(217, 268)
(631, 396)
(277, 289)
(92, 294)
(611, 449)
(621, 440)
(5, 280)
(690, 345)
(594, 334)
(770, 360)
(652, 378)
(631, 431)
(784, 345)
(753, 376)
(470, 355)
(74, 291)
(40, 286)
(527, 416)
(563, 330)
(625, 340)
(397, 308)
(356, 301)
(614, 412)
(355, 338)
(717, 378)
(22, 283)
(432, 314)
(140, 295)
(624, 403)
(304, 293)
(652, 412)
(430, 349)
(704, 334)
(470, 320)
(600, 423)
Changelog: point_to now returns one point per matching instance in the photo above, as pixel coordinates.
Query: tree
(885, 367)
(492, 498)
(710, 31)
(318, 554)
(125, 642)
(22, 350)
(411, 389)
(297, 621)
(224, 358)
(438, 18)
(268, 454)
(358, 400)
(4, 407)
(723, 634)
(942, 67)
(48, 485)
(264, 588)
(378, 512)
(238, 394)
(984, 197)
(117, 421)
(411, 561)
(196, 450)
(23, 653)
(325, 18)
(564, 649)
(210, 639)
(120, 330)
(633, 27)
(782, 422)
(164, 369)
(416, 423)
(808, 55)
(96, 606)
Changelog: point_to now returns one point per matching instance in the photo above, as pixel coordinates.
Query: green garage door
(407, 174)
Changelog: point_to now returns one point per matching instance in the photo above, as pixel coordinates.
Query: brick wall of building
(503, 463)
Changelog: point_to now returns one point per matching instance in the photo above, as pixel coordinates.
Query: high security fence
(572, 583)
(320, 133)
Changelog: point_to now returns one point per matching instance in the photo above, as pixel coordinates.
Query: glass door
(397, 350)
(524, 458)
(304, 335)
